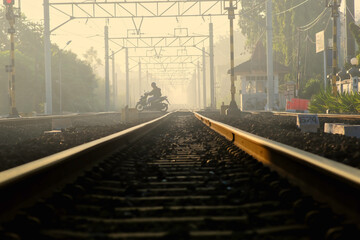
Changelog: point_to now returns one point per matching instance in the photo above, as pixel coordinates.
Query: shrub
(342, 103)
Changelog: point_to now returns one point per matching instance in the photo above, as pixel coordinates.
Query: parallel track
(336, 116)
(179, 181)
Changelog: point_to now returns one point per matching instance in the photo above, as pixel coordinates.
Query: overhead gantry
(107, 9)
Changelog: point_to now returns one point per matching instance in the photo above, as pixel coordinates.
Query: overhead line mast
(335, 14)
(110, 9)
(10, 16)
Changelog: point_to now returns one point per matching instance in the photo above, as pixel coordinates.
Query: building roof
(257, 64)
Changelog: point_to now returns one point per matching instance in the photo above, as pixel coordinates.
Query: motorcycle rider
(155, 93)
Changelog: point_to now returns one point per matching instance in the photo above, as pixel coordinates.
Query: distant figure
(155, 93)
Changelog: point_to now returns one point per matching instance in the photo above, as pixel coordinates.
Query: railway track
(329, 116)
(174, 178)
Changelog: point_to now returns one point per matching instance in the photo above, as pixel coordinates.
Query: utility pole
(204, 77)
(233, 108)
(107, 89)
(335, 14)
(269, 57)
(198, 85)
(298, 67)
(10, 16)
(350, 44)
(113, 79)
(116, 92)
(127, 77)
(212, 80)
(140, 78)
(47, 49)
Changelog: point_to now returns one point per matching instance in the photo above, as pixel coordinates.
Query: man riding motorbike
(155, 93)
(154, 103)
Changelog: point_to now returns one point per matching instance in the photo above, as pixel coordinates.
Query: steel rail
(50, 117)
(323, 115)
(326, 180)
(23, 185)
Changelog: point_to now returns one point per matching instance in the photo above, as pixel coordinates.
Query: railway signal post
(10, 16)
(233, 108)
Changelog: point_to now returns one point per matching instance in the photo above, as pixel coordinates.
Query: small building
(252, 78)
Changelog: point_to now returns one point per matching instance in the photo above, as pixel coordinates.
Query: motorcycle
(156, 105)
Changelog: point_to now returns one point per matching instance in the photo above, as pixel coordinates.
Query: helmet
(153, 84)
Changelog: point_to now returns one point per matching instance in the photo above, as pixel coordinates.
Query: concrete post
(140, 78)
(204, 77)
(107, 88)
(198, 85)
(212, 80)
(127, 77)
(335, 15)
(47, 49)
(113, 79)
(269, 57)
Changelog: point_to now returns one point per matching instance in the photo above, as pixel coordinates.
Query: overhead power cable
(292, 8)
(312, 23)
(348, 11)
(252, 8)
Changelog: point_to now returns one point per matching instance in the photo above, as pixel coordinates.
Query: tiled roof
(257, 64)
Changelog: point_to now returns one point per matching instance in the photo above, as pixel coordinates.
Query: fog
(179, 78)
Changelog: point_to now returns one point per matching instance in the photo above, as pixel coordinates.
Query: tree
(355, 31)
(252, 21)
(91, 56)
(312, 87)
(292, 29)
(77, 77)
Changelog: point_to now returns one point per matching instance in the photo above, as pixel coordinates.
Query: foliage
(78, 81)
(355, 31)
(289, 43)
(91, 56)
(312, 87)
(342, 103)
(252, 20)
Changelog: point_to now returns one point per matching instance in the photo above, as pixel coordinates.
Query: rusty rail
(42, 176)
(326, 180)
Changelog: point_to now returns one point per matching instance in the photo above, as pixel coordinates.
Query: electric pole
(269, 57)
(335, 14)
(233, 108)
(10, 16)
(107, 87)
(350, 41)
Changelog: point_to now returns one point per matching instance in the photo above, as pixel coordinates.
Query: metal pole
(350, 45)
(198, 85)
(107, 87)
(140, 78)
(204, 77)
(127, 76)
(11, 18)
(233, 108)
(113, 79)
(47, 49)
(325, 74)
(298, 67)
(269, 60)
(212, 80)
(335, 14)
(116, 91)
(60, 79)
